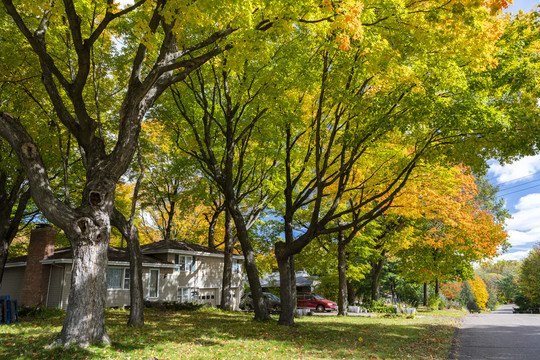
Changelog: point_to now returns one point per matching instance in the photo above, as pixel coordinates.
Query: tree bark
(351, 296)
(261, 312)
(226, 289)
(136, 292)
(376, 269)
(287, 295)
(84, 323)
(437, 287)
(212, 229)
(342, 271)
(4, 250)
(426, 294)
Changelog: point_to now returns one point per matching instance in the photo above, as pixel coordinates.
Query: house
(172, 271)
(304, 281)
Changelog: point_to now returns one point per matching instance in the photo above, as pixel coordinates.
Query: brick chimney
(36, 275)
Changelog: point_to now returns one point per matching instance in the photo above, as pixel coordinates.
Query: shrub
(434, 302)
(39, 312)
(174, 305)
(382, 309)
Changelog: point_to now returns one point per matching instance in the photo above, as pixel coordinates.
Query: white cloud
(516, 255)
(524, 226)
(521, 238)
(517, 170)
(527, 216)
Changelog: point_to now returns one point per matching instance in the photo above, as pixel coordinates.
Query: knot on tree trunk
(280, 248)
(29, 150)
(83, 225)
(95, 198)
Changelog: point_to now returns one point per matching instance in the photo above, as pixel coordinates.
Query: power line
(519, 185)
(510, 193)
(519, 178)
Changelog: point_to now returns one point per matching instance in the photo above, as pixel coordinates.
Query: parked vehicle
(313, 301)
(273, 303)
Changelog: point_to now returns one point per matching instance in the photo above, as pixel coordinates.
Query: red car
(313, 301)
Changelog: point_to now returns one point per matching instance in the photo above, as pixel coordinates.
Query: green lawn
(211, 334)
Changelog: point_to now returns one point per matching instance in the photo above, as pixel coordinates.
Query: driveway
(499, 335)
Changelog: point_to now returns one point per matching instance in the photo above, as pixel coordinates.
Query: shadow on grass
(236, 335)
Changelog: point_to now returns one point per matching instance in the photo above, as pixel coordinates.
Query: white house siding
(12, 282)
(205, 280)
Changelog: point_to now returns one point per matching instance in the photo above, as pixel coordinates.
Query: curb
(453, 355)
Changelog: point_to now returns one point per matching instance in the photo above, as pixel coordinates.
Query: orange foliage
(450, 291)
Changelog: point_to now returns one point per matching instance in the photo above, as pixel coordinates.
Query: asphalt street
(500, 334)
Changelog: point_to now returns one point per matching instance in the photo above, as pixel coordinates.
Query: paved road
(499, 335)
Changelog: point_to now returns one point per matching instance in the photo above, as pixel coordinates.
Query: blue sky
(519, 186)
(525, 5)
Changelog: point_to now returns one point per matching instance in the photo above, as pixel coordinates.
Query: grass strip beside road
(212, 334)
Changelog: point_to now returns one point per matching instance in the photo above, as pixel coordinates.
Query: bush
(409, 293)
(434, 302)
(174, 305)
(382, 309)
(39, 312)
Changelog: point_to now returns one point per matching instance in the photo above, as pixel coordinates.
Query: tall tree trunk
(437, 286)
(342, 268)
(376, 269)
(84, 323)
(287, 295)
(136, 292)
(4, 248)
(351, 295)
(393, 290)
(170, 217)
(287, 276)
(426, 294)
(226, 296)
(261, 313)
(212, 229)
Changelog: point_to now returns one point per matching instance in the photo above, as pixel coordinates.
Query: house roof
(121, 255)
(178, 245)
(114, 255)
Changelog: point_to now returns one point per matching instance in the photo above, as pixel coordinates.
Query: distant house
(172, 271)
(304, 281)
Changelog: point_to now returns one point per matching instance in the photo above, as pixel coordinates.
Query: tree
(458, 231)
(480, 292)
(359, 107)
(467, 297)
(81, 30)
(221, 110)
(529, 275)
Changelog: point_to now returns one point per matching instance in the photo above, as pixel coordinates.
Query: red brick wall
(36, 275)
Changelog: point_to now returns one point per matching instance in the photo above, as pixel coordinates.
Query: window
(184, 295)
(116, 277)
(185, 263)
(236, 266)
(126, 278)
(153, 283)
